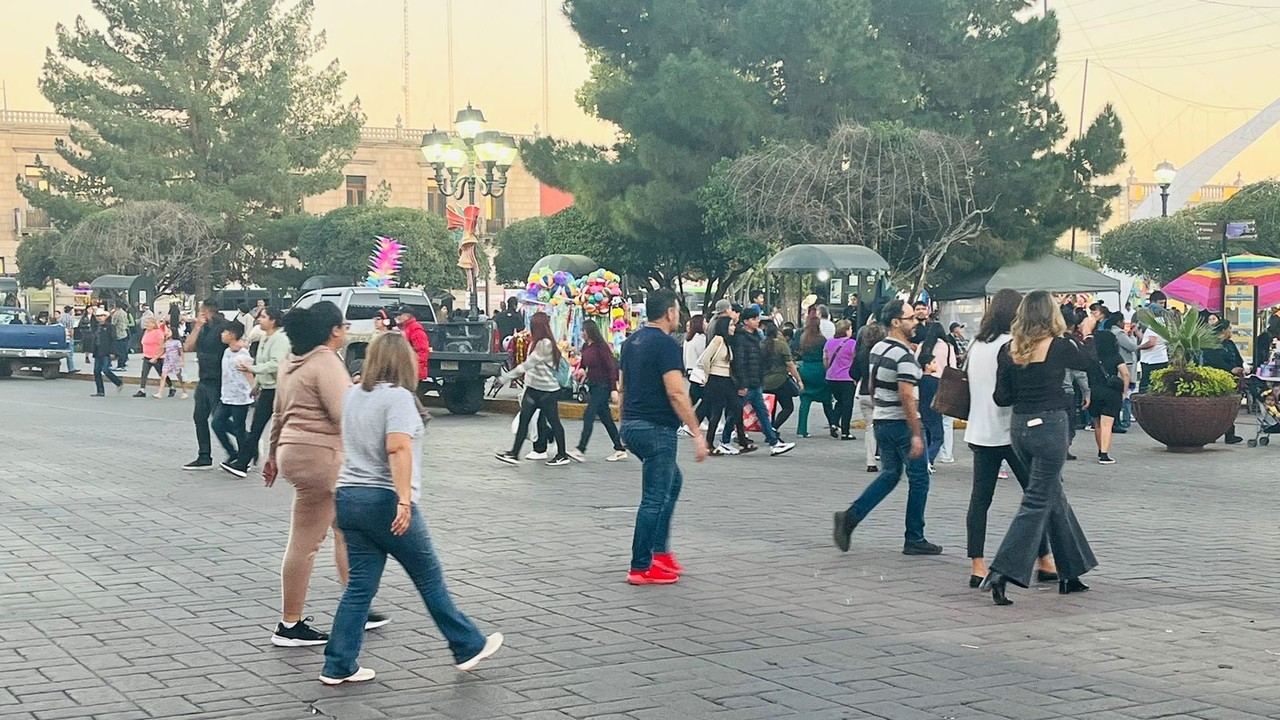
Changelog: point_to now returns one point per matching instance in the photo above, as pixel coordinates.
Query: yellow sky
(1182, 73)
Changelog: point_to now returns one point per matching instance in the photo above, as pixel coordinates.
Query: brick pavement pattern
(130, 589)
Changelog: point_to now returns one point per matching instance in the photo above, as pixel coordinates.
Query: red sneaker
(653, 576)
(667, 561)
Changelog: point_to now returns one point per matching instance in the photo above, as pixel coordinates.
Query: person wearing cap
(747, 371)
(100, 345)
(1154, 350)
(417, 337)
(724, 308)
(1225, 357)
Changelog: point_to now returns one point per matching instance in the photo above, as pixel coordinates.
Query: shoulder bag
(952, 398)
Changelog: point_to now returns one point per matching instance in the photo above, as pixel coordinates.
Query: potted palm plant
(1187, 406)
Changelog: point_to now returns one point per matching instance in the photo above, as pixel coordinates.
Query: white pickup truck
(463, 354)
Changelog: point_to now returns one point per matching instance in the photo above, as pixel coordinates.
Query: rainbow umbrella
(1202, 286)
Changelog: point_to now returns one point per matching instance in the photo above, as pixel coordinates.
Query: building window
(356, 188)
(35, 176)
(436, 201)
(1095, 245)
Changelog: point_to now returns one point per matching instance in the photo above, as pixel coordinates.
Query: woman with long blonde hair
(379, 487)
(1029, 374)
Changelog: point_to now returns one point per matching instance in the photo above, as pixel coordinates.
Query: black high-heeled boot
(1066, 587)
(997, 583)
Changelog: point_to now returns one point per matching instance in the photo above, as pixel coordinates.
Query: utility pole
(1084, 89)
(405, 61)
(546, 92)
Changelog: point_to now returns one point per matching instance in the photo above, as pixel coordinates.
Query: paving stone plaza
(131, 590)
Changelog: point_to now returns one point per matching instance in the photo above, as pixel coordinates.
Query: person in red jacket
(416, 336)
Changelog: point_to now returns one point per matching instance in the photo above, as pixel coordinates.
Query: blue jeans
(102, 366)
(122, 352)
(1126, 409)
(661, 481)
(893, 439)
(755, 397)
(365, 516)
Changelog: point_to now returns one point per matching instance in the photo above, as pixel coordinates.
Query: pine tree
(213, 104)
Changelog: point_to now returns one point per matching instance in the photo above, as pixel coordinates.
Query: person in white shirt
(989, 435)
(695, 342)
(1154, 351)
(824, 322)
(236, 394)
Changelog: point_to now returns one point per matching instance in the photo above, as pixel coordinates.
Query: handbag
(697, 375)
(952, 398)
(562, 374)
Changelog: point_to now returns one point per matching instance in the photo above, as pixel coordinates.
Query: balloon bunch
(549, 288)
(600, 295)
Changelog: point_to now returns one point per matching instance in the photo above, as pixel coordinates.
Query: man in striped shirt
(894, 375)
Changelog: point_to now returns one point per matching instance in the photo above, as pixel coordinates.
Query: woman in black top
(1029, 374)
(1108, 383)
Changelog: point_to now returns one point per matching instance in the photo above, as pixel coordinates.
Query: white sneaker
(491, 645)
(946, 460)
(360, 675)
(616, 456)
(684, 432)
(726, 449)
(702, 426)
(576, 455)
(782, 448)
(535, 455)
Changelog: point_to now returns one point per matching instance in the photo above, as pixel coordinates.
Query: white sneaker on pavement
(726, 449)
(577, 455)
(491, 645)
(616, 456)
(535, 455)
(782, 448)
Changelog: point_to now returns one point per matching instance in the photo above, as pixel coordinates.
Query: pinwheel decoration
(384, 263)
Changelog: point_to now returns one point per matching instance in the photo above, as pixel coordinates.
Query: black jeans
(122, 352)
(147, 365)
(228, 422)
(208, 397)
(548, 406)
(262, 409)
(721, 399)
(783, 408)
(598, 407)
(1147, 369)
(844, 392)
(986, 473)
(1040, 440)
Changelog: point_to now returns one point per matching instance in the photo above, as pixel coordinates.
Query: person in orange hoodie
(417, 337)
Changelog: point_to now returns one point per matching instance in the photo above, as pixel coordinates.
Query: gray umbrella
(579, 265)
(812, 258)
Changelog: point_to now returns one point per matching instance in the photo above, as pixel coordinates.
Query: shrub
(1193, 381)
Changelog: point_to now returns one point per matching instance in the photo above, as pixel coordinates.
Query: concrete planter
(1185, 424)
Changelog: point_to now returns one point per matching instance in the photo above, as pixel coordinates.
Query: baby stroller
(1264, 394)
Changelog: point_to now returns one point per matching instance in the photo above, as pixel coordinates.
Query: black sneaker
(558, 460)
(1072, 457)
(1105, 459)
(508, 457)
(300, 635)
(842, 529)
(140, 393)
(97, 395)
(235, 468)
(199, 464)
(376, 620)
(1233, 440)
(924, 547)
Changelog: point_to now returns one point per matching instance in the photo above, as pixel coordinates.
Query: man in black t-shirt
(509, 321)
(206, 340)
(655, 402)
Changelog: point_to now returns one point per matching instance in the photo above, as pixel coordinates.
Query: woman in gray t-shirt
(378, 490)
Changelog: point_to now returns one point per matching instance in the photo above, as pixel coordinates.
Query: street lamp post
(1165, 174)
(470, 159)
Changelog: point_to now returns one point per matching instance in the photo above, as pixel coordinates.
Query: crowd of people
(351, 445)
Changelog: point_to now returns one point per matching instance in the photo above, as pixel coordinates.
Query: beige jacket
(308, 407)
(716, 359)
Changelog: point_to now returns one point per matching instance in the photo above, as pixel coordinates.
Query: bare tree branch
(907, 194)
(163, 240)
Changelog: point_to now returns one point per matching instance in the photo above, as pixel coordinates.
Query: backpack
(562, 374)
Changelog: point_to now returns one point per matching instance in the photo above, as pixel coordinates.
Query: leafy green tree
(38, 259)
(216, 104)
(691, 82)
(341, 241)
(1159, 248)
(1259, 202)
(520, 244)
